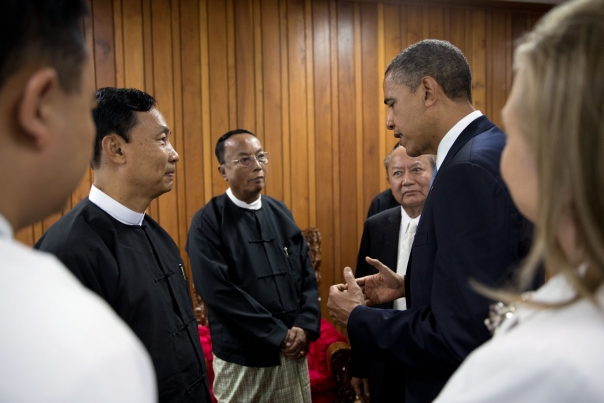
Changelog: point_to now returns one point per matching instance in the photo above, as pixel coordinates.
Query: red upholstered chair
(328, 357)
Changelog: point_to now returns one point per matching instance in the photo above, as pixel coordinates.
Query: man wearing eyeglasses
(251, 266)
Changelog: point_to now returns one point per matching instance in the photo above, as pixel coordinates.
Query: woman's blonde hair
(562, 116)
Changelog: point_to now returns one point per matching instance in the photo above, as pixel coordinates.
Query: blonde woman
(550, 347)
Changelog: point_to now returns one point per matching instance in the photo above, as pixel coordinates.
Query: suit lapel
(391, 234)
(479, 125)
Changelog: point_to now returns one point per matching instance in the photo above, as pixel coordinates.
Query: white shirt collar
(253, 206)
(447, 142)
(114, 208)
(6, 231)
(405, 220)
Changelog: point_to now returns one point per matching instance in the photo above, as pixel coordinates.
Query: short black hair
(46, 32)
(219, 150)
(438, 59)
(115, 113)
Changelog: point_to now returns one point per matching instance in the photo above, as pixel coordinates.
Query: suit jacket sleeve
(250, 319)
(85, 255)
(475, 233)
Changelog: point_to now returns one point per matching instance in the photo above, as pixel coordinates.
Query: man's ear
(35, 109)
(222, 171)
(113, 148)
(430, 90)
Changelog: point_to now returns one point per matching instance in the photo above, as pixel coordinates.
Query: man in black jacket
(124, 255)
(252, 268)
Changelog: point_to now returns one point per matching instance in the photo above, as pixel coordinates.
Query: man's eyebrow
(246, 153)
(387, 100)
(164, 130)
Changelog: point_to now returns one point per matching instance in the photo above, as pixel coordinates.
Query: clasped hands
(295, 343)
(384, 286)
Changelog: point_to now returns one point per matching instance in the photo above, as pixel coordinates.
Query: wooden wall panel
(298, 111)
(305, 76)
(371, 107)
(271, 95)
(347, 139)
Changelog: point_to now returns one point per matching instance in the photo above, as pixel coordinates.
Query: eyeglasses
(248, 160)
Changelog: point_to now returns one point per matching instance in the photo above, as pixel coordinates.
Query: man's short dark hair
(438, 59)
(115, 113)
(45, 32)
(219, 150)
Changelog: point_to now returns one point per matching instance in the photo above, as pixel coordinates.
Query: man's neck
(115, 189)
(413, 211)
(447, 118)
(246, 198)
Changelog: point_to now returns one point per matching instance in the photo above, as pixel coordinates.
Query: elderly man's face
(409, 178)
(246, 183)
(151, 157)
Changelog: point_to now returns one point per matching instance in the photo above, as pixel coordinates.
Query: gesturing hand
(343, 298)
(385, 286)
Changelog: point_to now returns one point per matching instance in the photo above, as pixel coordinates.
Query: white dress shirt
(447, 142)
(61, 342)
(404, 251)
(538, 355)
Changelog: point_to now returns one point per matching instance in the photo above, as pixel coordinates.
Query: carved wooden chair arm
(338, 362)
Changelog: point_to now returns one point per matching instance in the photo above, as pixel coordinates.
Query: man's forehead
(389, 81)
(242, 143)
(402, 160)
(154, 121)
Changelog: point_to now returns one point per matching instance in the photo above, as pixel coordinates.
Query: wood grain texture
(305, 76)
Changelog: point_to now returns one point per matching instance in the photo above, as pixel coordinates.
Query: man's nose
(256, 165)
(408, 178)
(173, 156)
(389, 121)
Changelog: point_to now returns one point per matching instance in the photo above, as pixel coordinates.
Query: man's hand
(361, 388)
(343, 298)
(295, 343)
(385, 286)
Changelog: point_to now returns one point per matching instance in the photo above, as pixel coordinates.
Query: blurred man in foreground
(60, 342)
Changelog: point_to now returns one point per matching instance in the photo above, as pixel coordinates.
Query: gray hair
(438, 59)
(431, 158)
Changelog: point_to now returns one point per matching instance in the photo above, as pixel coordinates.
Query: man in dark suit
(383, 201)
(470, 228)
(387, 237)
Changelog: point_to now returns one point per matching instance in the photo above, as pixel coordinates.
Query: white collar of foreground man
(447, 142)
(114, 208)
(257, 205)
